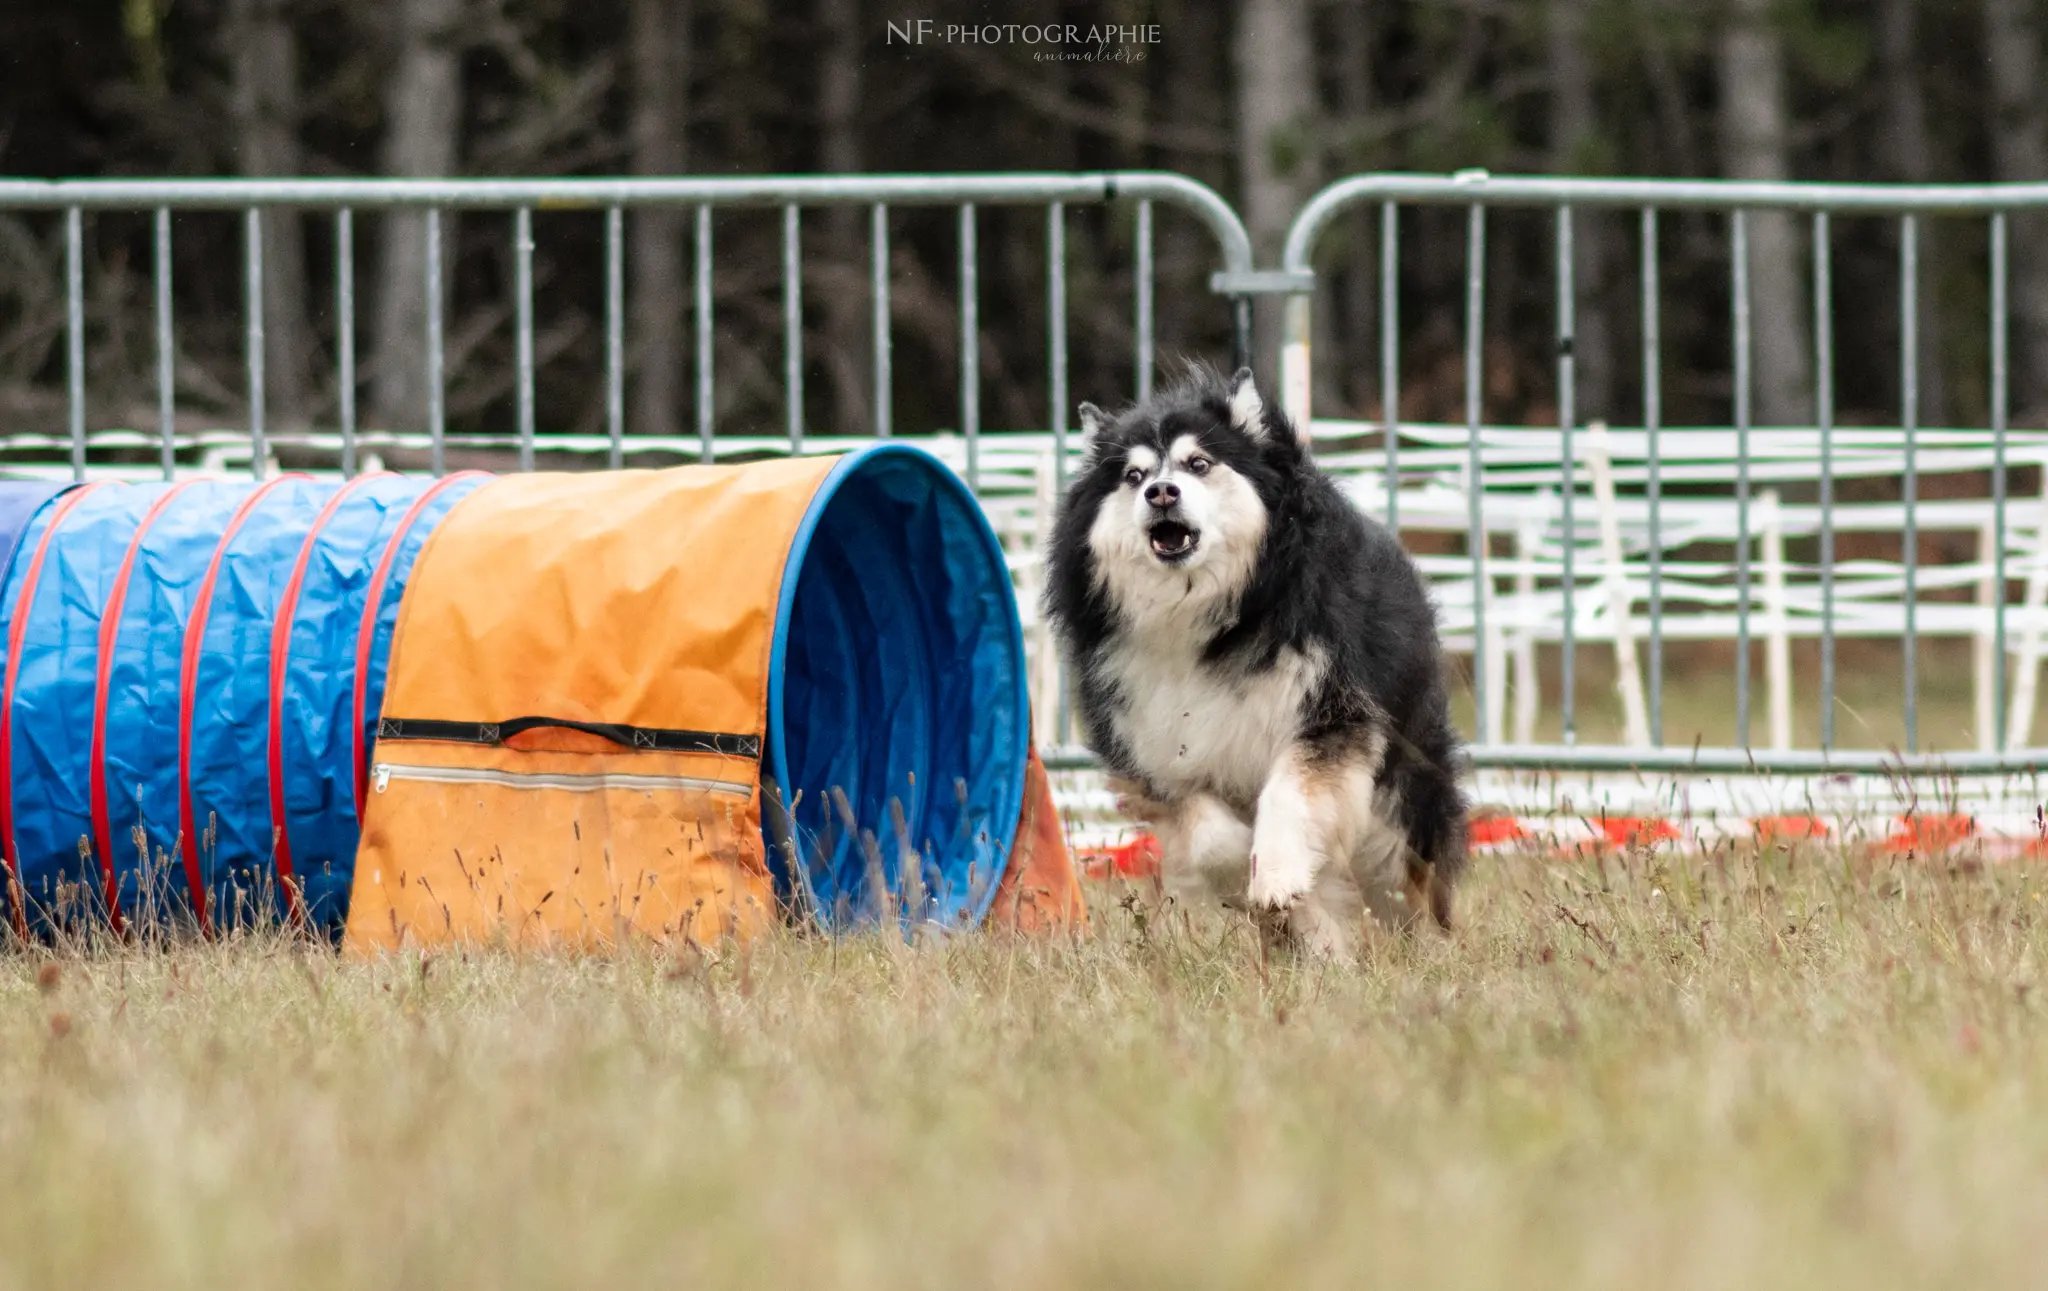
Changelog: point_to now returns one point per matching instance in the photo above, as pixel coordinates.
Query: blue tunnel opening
(898, 716)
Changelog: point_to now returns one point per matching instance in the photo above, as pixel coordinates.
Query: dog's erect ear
(1248, 413)
(1247, 409)
(1093, 421)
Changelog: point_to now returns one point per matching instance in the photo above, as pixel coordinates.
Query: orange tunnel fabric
(573, 734)
(643, 598)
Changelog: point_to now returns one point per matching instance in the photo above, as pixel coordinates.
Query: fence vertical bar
(1824, 415)
(615, 334)
(1143, 288)
(2000, 393)
(1475, 303)
(166, 355)
(1056, 362)
(1567, 415)
(344, 334)
(1653, 425)
(437, 392)
(74, 340)
(1390, 356)
(793, 324)
(705, 390)
(522, 261)
(1909, 483)
(878, 240)
(970, 347)
(252, 241)
(1738, 292)
(1056, 332)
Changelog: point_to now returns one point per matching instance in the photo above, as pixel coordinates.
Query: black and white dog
(1258, 663)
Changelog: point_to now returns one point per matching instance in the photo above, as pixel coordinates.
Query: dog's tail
(1433, 811)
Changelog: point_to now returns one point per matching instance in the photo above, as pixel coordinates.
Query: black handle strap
(655, 738)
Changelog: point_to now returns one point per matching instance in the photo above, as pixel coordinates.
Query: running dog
(1257, 664)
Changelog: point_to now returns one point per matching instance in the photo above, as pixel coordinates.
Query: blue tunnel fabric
(897, 675)
(55, 691)
(57, 682)
(142, 708)
(230, 734)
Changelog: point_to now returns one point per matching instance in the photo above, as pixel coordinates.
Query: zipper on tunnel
(385, 772)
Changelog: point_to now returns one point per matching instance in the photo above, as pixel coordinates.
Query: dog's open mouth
(1172, 540)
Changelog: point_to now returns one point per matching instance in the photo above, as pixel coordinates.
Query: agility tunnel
(536, 708)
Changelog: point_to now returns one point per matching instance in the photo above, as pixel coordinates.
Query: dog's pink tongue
(1170, 539)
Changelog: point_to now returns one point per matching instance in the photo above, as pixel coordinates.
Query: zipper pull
(383, 770)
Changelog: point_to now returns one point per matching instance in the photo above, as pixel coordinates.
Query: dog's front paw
(1279, 882)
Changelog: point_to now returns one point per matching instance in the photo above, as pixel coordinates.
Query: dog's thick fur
(1258, 663)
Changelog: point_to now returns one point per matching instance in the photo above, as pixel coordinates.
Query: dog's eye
(1198, 466)
(1134, 477)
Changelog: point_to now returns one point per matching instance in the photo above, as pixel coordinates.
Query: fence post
(1294, 357)
(1495, 656)
(1528, 613)
(1628, 678)
(1982, 646)
(2019, 724)
(1045, 672)
(1777, 636)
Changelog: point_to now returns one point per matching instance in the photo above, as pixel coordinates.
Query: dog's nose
(1161, 494)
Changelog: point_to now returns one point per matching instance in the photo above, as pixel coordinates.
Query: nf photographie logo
(1050, 41)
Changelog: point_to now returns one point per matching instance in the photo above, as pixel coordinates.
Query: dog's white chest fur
(1191, 727)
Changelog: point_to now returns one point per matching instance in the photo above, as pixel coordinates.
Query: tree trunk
(659, 292)
(2019, 149)
(845, 299)
(264, 116)
(422, 128)
(1672, 147)
(1346, 370)
(1190, 319)
(1911, 157)
(1573, 140)
(1276, 112)
(1754, 124)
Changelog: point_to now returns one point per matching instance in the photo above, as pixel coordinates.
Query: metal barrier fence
(1488, 469)
(1474, 478)
(613, 197)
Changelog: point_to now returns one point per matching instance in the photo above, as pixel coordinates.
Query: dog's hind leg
(1205, 849)
(1382, 864)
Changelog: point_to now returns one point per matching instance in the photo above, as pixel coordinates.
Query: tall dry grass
(1793, 1070)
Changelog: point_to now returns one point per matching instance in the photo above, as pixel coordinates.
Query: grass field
(1718, 1071)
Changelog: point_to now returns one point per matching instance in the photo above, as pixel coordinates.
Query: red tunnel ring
(188, 675)
(280, 657)
(110, 631)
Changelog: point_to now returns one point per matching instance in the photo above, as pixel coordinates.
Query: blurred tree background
(1264, 99)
